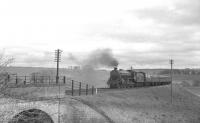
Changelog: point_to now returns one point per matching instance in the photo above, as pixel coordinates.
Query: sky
(140, 33)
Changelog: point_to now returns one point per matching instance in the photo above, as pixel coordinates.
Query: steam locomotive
(130, 78)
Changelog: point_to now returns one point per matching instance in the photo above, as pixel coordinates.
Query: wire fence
(71, 87)
(39, 88)
(31, 90)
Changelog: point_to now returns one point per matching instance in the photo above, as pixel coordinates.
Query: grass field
(187, 80)
(194, 90)
(137, 105)
(148, 105)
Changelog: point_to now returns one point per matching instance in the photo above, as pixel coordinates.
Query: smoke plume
(101, 58)
(97, 58)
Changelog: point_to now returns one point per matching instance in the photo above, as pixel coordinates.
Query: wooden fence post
(87, 89)
(8, 78)
(49, 80)
(92, 90)
(25, 80)
(64, 79)
(79, 88)
(16, 80)
(72, 87)
(34, 79)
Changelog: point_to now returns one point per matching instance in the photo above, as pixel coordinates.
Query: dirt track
(194, 90)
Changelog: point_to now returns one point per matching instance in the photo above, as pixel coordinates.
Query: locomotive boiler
(130, 78)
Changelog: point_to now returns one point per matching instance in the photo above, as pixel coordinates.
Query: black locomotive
(130, 78)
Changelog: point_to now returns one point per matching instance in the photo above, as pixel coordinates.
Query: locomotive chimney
(115, 67)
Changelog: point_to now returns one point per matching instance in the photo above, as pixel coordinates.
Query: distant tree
(4, 62)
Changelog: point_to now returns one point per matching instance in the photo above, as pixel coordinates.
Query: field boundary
(189, 91)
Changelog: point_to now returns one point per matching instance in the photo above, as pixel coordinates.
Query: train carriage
(130, 78)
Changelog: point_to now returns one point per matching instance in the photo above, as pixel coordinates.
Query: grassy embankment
(147, 105)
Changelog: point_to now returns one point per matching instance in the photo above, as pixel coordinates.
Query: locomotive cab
(128, 78)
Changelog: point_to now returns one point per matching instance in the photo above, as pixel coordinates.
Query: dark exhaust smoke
(101, 58)
(98, 58)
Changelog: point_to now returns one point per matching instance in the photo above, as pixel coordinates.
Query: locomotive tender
(130, 78)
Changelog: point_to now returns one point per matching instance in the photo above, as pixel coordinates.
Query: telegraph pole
(57, 60)
(171, 72)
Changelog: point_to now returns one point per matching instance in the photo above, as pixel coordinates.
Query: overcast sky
(141, 33)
